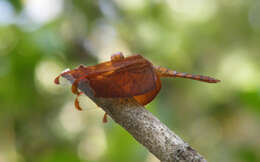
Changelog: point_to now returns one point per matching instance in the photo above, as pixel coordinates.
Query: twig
(144, 127)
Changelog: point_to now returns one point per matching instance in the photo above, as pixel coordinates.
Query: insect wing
(149, 96)
(132, 80)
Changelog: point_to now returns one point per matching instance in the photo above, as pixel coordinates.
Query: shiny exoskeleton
(122, 77)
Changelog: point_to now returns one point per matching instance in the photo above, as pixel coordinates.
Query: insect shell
(122, 77)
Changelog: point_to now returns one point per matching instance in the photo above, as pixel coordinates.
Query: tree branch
(144, 127)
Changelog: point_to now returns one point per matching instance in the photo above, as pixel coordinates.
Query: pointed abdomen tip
(215, 81)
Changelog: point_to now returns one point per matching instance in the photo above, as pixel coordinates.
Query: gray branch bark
(144, 127)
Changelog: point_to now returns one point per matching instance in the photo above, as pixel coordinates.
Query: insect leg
(76, 102)
(105, 118)
(74, 87)
(77, 106)
(57, 79)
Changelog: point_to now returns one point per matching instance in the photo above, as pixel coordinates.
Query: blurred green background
(40, 38)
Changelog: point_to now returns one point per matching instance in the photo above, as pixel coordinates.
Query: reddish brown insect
(133, 76)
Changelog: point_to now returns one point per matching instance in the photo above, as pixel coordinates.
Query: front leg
(74, 87)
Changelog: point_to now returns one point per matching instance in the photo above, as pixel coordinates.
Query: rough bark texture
(144, 127)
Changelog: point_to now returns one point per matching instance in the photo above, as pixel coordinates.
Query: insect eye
(81, 66)
(117, 56)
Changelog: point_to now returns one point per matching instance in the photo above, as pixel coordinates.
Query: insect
(124, 77)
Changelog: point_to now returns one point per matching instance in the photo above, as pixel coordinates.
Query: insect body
(133, 76)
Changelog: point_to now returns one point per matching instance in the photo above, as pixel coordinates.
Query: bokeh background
(41, 38)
